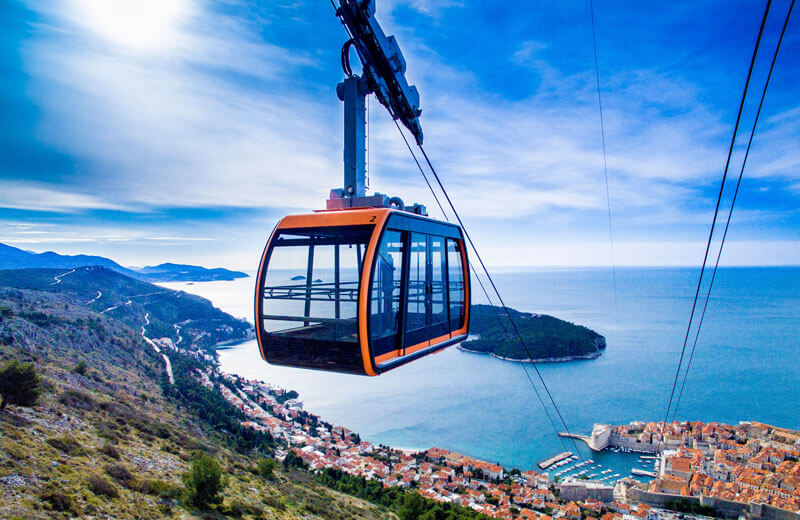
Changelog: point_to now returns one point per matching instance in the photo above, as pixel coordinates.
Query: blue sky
(153, 131)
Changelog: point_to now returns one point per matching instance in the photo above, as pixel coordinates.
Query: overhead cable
(714, 220)
(733, 202)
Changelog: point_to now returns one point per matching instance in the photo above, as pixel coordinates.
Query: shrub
(205, 482)
(274, 502)
(57, 500)
(239, 508)
(266, 467)
(292, 460)
(110, 451)
(158, 488)
(101, 486)
(19, 384)
(81, 368)
(120, 474)
(78, 400)
(66, 444)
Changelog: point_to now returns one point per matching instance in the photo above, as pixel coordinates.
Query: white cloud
(42, 197)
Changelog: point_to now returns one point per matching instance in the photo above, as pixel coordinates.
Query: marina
(605, 469)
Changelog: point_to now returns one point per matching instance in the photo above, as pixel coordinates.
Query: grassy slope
(115, 416)
(545, 336)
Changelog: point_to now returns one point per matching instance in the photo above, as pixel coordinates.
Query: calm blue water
(747, 365)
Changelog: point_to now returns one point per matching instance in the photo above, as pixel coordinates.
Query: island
(547, 339)
(169, 272)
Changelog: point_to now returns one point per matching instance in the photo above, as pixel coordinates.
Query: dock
(643, 473)
(554, 459)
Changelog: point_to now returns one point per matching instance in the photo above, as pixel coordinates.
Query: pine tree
(19, 384)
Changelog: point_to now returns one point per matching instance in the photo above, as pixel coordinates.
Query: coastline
(564, 359)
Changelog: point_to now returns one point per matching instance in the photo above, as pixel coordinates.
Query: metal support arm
(353, 91)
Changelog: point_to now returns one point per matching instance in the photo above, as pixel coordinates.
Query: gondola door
(426, 307)
(437, 290)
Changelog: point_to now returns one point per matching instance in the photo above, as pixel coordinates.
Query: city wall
(582, 491)
(725, 508)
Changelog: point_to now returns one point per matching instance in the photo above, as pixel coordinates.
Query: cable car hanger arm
(383, 69)
(383, 63)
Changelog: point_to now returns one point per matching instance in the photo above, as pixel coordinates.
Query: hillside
(176, 315)
(113, 437)
(547, 338)
(15, 258)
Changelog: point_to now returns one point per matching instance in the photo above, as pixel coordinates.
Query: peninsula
(547, 339)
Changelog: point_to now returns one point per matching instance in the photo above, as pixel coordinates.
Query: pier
(585, 438)
(555, 459)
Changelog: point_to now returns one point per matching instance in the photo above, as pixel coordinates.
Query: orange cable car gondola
(361, 290)
(368, 284)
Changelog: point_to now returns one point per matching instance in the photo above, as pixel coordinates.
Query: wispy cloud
(41, 197)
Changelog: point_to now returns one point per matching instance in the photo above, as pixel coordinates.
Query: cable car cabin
(360, 291)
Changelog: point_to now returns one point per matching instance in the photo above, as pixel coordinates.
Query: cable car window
(386, 292)
(436, 288)
(312, 281)
(455, 274)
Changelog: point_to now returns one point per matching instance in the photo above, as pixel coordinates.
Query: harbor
(606, 467)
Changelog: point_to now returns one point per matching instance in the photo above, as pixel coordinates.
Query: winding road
(58, 278)
(156, 348)
(99, 295)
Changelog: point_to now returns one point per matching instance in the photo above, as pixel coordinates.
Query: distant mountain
(15, 258)
(188, 273)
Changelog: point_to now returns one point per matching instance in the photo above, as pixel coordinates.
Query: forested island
(546, 338)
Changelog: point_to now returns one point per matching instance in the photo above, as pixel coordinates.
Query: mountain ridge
(15, 258)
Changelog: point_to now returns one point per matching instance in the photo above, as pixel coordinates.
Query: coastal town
(748, 464)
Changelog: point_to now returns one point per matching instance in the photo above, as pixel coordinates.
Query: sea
(746, 365)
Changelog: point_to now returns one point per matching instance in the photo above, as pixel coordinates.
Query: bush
(205, 482)
(66, 444)
(6, 311)
(101, 486)
(78, 400)
(266, 467)
(238, 509)
(292, 460)
(57, 500)
(109, 451)
(158, 488)
(20, 385)
(81, 368)
(120, 474)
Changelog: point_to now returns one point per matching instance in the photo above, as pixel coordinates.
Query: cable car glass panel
(455, 276)
(311, 285)
(416, 308)
(436, 288)
(385, 306)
